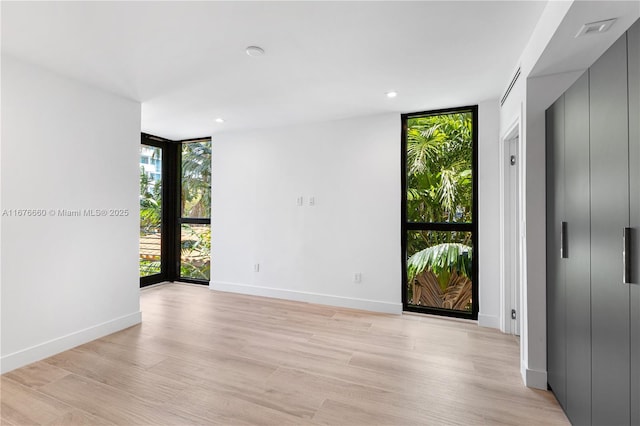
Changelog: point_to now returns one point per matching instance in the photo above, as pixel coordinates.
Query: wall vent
(513, 82)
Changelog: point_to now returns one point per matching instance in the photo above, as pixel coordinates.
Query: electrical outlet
(256, 267)
(300, 201)
(312, 201)
(357, 277)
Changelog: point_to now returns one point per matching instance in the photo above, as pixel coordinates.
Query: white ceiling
(185, 61)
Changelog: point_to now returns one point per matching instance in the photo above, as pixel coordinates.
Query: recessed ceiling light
(219, 120)
(596, 27)
(391, 94)
(254, 51)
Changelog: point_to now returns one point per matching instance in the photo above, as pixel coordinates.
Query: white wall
(65, 280)
(310, 253)
(489, 164)
(533, 270)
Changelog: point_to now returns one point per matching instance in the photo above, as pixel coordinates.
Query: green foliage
(199, 272)
(195, 252)
(442, 260)
(439, 184)
(196, 179)
(149, 267)
(150, 204)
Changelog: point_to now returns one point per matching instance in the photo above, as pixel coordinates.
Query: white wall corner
(303, 296)
(67, 309)
(490, 321)
(52, 347)
(489, 212)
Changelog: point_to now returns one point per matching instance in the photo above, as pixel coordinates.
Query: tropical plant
(440, 276)
(195, 252)
(439, 168)
(442, 260)
(196, 179)
(425, 291)
(149, 267)
(150, 204)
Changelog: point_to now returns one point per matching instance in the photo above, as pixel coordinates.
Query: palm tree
(440, 276)
(439, 168)
(196, 179)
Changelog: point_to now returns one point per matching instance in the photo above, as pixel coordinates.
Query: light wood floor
(203, 357)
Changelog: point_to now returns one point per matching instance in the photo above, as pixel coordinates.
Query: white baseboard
(303, 296)
(490, 321)
(44, 350)
(536, 379)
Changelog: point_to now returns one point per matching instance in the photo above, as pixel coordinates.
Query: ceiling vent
(513, 82)
(595, 27)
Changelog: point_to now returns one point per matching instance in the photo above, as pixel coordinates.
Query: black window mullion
(426, 226)
(173, 227)
(196, 220)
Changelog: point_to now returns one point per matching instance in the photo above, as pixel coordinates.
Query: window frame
(186, 220)
(472, 227)
(171, 214)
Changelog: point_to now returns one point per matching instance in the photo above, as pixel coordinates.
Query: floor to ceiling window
(439, 212)
(175, 210)
(195, 210)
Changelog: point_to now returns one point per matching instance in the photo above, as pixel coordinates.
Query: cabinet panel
(577, 272)
(556, 348)
(634, 192)
(609, 215)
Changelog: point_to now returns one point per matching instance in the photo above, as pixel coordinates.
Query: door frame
(511, 220)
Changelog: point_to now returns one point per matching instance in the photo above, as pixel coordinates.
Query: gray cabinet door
(556, 348)
(633, 48)
(577, 271)
(609, 216)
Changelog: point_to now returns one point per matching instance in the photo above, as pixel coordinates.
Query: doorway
(511, 226)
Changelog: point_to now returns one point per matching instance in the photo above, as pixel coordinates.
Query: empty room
(320, 212)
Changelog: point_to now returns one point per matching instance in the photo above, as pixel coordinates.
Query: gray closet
(593, 207)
